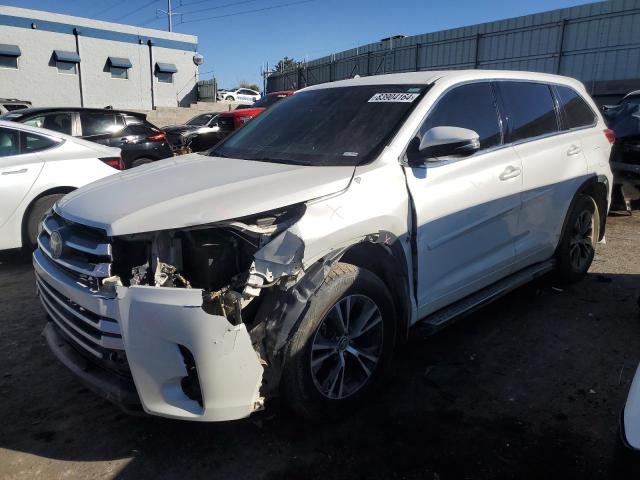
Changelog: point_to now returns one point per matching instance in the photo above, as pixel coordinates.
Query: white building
(60, 60)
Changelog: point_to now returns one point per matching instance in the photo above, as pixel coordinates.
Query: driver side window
(469, 106)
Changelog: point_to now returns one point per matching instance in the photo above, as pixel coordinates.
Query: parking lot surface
(529, 387)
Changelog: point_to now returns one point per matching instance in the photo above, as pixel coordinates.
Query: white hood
(195, 189)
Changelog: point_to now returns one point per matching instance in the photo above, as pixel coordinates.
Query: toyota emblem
(56, 245)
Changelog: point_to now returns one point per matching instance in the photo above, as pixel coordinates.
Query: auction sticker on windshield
(394, 97)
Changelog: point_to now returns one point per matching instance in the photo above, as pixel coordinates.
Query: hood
(194, 190)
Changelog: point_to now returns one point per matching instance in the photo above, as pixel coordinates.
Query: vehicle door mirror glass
(439, 142)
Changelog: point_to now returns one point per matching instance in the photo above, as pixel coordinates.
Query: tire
(36, 212)
(229, 98)
(141, 161)
(576, 249)
(327, 372)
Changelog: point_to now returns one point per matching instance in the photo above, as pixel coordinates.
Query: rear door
(19, 167)
(466, 208)
(552, 162)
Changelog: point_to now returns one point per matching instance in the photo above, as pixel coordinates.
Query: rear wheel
(577, 245)
(342, 345)
(36, 213)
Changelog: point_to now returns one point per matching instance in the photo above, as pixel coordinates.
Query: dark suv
(140, 141)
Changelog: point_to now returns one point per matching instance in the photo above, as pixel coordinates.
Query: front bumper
(155, 324)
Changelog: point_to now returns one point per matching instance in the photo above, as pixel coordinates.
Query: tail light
(610, 134)
(115, 162)
(157, 137)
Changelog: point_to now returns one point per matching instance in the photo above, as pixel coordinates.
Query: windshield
(330, 126)
(200, 119)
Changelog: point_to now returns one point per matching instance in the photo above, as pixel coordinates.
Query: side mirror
(440, 142)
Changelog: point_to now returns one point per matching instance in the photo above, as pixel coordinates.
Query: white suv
(295, 256)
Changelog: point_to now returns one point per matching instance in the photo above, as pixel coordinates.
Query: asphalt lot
(529, 387)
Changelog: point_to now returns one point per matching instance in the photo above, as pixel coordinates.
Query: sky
(239, 37)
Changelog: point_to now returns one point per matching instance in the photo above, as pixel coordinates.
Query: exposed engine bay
(221, 259)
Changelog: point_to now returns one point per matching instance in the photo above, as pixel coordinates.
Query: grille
(93, 333)
(225, 123)
(86, 252)
(86, 257)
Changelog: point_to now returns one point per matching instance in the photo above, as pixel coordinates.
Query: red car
(231, 121)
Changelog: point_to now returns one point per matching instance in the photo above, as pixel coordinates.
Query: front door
(466, 208)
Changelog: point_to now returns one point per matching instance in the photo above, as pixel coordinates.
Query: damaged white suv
(293, 258)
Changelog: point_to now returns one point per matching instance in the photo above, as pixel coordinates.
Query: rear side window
(30, 142)
(9, 142)
(139, 129)
(98, 124)
(530, 109)
(469, 106)
(59, 122)
(577, 112)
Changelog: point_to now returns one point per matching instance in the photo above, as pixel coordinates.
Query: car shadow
(529, 385)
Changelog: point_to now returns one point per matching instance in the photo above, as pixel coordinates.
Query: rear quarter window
(577, 112)
(529, 108)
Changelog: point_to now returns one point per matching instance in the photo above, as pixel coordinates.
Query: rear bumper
(158, 325)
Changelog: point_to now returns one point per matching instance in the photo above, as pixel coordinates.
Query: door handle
(510, 172)
(573, 150)
(12, 172)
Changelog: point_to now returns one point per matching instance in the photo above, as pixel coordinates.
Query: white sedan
(241, 95)
(38, 167)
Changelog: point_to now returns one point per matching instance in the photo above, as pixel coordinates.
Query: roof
(52, 133)
(36, 110)
(428, 77)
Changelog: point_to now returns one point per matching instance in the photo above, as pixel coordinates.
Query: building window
(119, 67)
(165, 71)
(66, 62)
(8, 62)
(69, 68)
(119, 72)
(165, 77)
(9, 56)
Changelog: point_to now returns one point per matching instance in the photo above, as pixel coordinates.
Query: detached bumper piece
(153, 347)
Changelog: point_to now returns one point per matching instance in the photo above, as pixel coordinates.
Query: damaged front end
(230, 262)
(188, 304)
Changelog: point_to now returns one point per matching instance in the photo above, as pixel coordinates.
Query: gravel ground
(529, 387)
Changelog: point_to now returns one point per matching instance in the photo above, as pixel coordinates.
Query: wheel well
(388, 262)
(598, 189)
(27, 212)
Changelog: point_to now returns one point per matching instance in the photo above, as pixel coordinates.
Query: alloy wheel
(347, 346)
(581, 245)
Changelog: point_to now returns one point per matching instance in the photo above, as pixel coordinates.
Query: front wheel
(229, 98)
(577, 245)
(342, 345)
